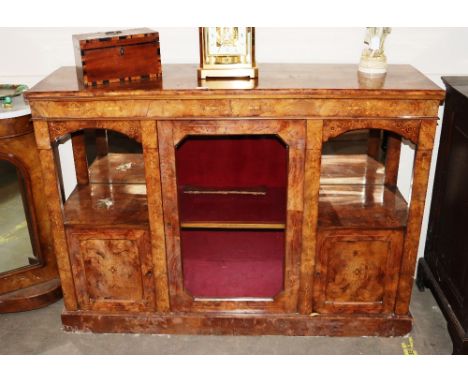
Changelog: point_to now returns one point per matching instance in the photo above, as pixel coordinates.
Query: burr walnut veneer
(231, 220)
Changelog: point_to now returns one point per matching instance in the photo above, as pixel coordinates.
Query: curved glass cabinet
(16, 248)
(28, 270)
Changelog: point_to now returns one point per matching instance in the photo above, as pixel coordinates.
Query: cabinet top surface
(460, 83)
(274, 80)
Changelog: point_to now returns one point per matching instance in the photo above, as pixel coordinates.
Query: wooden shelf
(233, 211)
(107, 204)
(351, 169)
(353, 195)
(232, 225)
(361, 206)
(116, 168)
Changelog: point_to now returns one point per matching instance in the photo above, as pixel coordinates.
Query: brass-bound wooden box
(117, 56)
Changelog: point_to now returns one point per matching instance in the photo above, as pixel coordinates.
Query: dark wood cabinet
(445, 265)
(236, 216)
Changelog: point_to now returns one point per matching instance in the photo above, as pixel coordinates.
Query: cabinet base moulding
(225, 324)
(30, 298)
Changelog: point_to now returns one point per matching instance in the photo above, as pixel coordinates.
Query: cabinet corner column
(311, 197)
(79, 155)
(155, 211)
(422, 165)
(52, 194)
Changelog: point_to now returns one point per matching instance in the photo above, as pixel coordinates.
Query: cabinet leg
(460, 348)
(421, 281)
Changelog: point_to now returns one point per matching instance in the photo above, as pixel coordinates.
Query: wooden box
(117, 56)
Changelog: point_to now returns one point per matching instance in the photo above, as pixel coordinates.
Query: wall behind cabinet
(32, 53)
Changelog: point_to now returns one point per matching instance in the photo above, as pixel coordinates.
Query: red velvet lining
(232, 263)
(234, 161)
(227, 263)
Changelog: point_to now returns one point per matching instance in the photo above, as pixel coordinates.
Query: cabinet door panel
(357, 272)
(112, 269)
(238, 167)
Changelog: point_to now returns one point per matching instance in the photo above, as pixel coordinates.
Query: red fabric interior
(234, 161)
(227, 263)
(233, 263)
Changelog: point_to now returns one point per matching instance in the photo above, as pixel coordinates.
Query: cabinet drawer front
(357, 272)
(112, 269)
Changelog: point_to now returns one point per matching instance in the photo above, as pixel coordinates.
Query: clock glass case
(227, 52)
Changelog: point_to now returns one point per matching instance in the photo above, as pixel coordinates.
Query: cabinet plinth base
(30, 298)
(241, 324)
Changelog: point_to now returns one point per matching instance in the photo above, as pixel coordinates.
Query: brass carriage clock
(227, 52)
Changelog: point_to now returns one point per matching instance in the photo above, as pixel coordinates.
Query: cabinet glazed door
(112, 269)
(232, 196)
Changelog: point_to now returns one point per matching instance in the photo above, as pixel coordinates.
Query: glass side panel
(15, 242)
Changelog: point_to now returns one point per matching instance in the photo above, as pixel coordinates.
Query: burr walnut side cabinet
(444, 267)
(238, 211)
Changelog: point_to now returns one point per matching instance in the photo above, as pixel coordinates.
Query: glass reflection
(15, 241)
